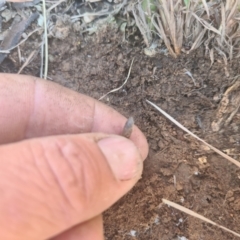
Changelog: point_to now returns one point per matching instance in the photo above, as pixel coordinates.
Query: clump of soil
(178, 168)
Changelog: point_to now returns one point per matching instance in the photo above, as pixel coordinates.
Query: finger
(31, 107)
(90, 230)
(51, 184)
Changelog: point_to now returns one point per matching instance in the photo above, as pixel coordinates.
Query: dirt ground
(178, 167)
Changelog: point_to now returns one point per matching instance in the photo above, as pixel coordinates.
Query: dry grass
(117, 89)
(186, 25)
(230, 159)
(142, 23)
(196, 215)
(45, 45)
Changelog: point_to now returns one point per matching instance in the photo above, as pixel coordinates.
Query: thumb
(50, 184)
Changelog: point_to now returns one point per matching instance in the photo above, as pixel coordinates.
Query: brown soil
(204, 181)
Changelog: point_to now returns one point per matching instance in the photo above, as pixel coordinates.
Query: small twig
(196, 215)
(42, 57)
(190, 75)
(8, 50)
(193, 135)
(116, 89)
(55, 5)
(19, 54)
(15, 33)
(206, 7)
(27, 61)
(45, 39)
(101, 13)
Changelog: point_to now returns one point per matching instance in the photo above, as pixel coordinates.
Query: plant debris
(186, 25)
(14, 35)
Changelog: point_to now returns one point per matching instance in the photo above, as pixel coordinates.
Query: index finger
(32, 107)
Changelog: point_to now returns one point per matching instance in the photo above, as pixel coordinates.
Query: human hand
(61, 165)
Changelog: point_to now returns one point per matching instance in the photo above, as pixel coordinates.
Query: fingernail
(122, 156)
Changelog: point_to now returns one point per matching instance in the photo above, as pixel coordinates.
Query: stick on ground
(196, 215)
(232, 160)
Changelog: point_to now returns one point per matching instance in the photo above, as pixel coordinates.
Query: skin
(59, 164)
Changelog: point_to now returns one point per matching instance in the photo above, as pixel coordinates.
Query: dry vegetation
(185, 25)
